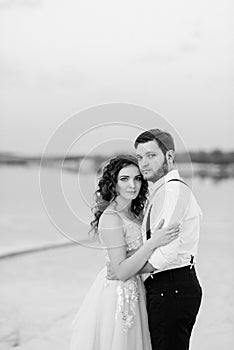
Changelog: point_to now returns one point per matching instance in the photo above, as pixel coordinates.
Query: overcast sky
(58, 57)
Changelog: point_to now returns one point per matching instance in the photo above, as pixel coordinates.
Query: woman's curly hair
(106, 191)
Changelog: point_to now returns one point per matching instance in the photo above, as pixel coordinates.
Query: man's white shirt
(175, 203)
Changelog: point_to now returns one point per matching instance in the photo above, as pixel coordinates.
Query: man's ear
(170, 155)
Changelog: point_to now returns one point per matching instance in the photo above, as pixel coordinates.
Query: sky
(60, 58)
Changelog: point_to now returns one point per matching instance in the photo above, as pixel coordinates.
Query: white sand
(40, 294)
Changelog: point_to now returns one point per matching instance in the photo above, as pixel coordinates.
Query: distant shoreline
(35, 249)
(215, 164)
(41, 247)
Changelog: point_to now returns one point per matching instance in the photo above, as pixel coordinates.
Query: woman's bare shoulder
(110, 219)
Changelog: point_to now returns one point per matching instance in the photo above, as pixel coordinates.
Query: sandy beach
(80, 81)
(41, 292)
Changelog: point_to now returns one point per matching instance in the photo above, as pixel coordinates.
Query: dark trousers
(173, 301)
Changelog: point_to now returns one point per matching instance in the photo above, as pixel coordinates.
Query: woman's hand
(162, 236)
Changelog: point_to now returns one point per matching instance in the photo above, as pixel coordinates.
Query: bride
(113, 314)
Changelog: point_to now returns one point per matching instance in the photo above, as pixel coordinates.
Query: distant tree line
(209, 157)
(212, 157)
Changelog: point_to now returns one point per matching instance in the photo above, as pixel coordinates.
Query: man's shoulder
(172, 185)
(172, 193)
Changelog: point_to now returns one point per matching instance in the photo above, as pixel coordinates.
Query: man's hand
(110, 275)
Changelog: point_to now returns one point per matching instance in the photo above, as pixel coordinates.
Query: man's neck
(165, 173)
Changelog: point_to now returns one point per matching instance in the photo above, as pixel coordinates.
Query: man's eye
(151, 155)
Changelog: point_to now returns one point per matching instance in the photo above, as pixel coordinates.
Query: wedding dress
(113, 314)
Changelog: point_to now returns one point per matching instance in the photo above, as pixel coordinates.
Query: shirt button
(176, 291)
(162, 294)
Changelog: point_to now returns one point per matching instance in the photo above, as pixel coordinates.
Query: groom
(173, 291)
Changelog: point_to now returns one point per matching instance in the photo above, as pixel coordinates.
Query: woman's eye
(124, 179)
(138, 178)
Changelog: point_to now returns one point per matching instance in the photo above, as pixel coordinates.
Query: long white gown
(113, 314)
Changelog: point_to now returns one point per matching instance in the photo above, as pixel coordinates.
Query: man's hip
(180, 280)
(173, 301)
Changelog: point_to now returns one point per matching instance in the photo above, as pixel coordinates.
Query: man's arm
(174, 204)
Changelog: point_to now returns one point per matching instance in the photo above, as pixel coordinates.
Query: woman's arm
(111, 230)
(147, 268)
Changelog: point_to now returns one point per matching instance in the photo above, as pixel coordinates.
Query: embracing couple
(147, 297)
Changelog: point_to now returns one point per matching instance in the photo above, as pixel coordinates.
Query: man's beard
(162, 171)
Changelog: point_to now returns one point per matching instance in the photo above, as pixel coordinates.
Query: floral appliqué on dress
(127, 292)
(128, 296)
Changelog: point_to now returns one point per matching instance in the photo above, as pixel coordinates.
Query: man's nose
(144, 162)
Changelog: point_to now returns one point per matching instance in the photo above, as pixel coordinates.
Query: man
(173, 291)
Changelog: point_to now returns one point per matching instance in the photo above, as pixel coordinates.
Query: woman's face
(129, 182)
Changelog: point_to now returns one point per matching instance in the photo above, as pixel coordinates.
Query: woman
(113, 315)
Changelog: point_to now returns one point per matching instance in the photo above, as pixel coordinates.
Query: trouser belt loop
(191, 261)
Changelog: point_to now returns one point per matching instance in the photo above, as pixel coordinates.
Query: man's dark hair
(164, 139)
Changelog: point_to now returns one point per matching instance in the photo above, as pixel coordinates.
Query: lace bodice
(132, 235)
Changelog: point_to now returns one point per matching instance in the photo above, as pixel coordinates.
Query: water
(24, 222)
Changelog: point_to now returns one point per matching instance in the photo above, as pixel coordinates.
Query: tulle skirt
(112, 317)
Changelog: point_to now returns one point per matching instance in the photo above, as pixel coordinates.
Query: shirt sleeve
(172, 211)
